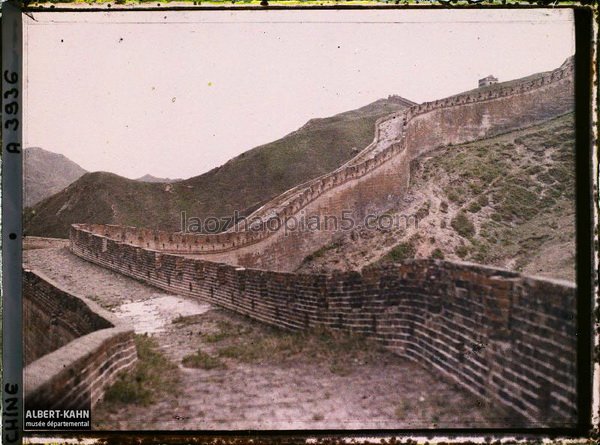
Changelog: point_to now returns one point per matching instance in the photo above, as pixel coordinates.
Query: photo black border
(12, 352)
(586, 244)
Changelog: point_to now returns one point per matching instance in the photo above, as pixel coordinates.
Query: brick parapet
(73, 368)
(503, 336)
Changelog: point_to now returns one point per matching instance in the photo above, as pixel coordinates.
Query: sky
(175, 94)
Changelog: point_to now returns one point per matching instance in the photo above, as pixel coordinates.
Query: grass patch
(462, 251)
(402, 251)
(463, 225)
(437, 254)
(516, 203)
(225, 331)
(474, 207)
(483, 200)
(561, 174)
(153, 377)
(264, 349)
(215, 337)
(340, 352)
(454, 197)
(202, 360)
(481, 251)
(320, 252)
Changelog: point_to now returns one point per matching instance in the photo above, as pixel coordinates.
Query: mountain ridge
(242, 184)
(46, 173)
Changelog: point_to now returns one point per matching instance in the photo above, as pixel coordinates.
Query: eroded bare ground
(240, 374)
(505, 202)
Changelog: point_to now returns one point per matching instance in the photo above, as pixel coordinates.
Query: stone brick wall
(52, 318)
(500, 335)
(73, 348)
(375, 179)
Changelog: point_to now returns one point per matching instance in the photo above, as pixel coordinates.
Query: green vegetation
(481, 252)
(474, 207)
(463, 225)
(515, 202)
(402, 251)
(462, 251)
(321, 251)
(225, 330)
(453, 196)
(153, 377)
(437, 254)
(202, 360)
(338, 351)
(263, 349)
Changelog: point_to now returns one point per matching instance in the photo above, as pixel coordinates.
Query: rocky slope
(507, 201)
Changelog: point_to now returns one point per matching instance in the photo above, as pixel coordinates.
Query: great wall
(505, 337)
(371, 182)
(72, 346)
(500, 335)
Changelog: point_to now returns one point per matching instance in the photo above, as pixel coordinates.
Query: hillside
(46, 173)
(243, 183)
(507, 201)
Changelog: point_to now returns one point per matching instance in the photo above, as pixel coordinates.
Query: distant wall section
(372, 182)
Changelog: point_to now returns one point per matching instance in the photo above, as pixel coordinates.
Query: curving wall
(73, 348)
(371, 182)
(500, 335)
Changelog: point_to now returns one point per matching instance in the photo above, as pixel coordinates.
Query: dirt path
(265, 378)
